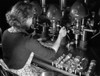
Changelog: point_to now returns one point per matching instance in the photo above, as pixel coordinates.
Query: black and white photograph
(49, 37)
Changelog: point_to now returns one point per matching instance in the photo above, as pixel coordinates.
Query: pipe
(50, 67)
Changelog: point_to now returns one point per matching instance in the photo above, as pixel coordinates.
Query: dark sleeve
(39, 50)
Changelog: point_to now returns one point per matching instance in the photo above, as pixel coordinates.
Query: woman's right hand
(62, 32)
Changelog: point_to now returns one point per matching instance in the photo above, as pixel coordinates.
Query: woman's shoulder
(8, 31)
(5, 32)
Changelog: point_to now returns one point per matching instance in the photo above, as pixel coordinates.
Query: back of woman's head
(20, 12)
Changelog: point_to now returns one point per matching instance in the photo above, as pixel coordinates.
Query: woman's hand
(62, 32)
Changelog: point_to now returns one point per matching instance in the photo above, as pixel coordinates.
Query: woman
(18, 44)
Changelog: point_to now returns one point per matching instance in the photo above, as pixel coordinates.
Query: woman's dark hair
(20, 12)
